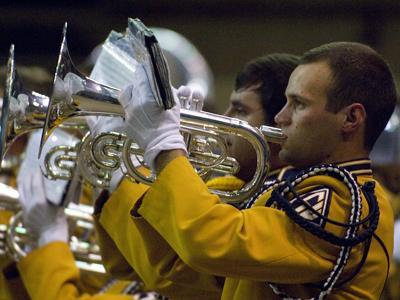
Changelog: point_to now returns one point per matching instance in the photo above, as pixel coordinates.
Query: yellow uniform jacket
(130, 247)
(248, 248)
(128, 257)
(11, 286)
(50, 273)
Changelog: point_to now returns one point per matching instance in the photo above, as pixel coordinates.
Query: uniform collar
(358, 166)
(355, 167)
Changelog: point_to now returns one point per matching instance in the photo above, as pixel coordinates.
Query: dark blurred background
(227, 33)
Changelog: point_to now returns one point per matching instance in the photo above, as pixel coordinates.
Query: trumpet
(14, 237)
(86, 97)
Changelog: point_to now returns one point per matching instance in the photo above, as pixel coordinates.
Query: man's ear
(354, 117)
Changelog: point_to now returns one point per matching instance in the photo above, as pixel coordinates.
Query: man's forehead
(245, 96)
(311, 78)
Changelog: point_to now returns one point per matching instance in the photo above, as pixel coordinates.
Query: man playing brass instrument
(325, 231)
(258, 95)
(266, 79)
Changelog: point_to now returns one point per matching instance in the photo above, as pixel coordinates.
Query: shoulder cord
(133, 288)
(107, 286)
(279, 195)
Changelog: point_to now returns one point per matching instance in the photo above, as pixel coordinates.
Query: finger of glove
(125, 95)
(41, 210)
(55, 231)
(54, 190)
(91, 121)
(183, 94)
(190, 99)
(197, 100)
(37, 187)
(142, 114)
(131, 93)
(106, 124)
(26, 189)
(73, 83)
(31, 152)
(33, 199)
(23, 185)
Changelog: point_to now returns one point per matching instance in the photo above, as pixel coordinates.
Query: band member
(38, 79)
(322, 231)
(258, 95)
(266, 78)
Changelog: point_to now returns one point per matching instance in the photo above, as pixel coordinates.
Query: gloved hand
(44, 220)
(152, 127)
(100, 124)
(71, 84)
(190, 99)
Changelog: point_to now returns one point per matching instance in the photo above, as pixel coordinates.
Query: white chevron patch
(318, 199)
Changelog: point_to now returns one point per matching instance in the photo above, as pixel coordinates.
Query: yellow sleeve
(148, 253)
(259, 244)
(50, 273)
(114, 262)
(225, 183)
(11, 286)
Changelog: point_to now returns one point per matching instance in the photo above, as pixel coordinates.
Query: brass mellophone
(97, 157)
(14, 237)
(206, 131)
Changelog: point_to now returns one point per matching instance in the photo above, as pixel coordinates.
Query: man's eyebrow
(297, 97)
(236, 102)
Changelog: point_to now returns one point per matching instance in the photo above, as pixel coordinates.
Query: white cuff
(116, 178)
(161, 144)
(57, 232)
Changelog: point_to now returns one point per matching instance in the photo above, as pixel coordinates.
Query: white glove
(152, 127)
(190, 99)
(100, 124)
(45, 221)
(54, 188)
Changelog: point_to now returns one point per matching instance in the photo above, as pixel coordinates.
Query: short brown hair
(359, 74)
(271, 74)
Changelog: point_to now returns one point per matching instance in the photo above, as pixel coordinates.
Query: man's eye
(298, 104)
(240, 111)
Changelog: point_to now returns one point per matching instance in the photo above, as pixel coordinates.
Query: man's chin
(288, 158)
(284, 156)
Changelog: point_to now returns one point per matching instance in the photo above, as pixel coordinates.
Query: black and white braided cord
(134, 288)
(285, 187)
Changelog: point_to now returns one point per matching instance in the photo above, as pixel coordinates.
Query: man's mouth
(284, 139)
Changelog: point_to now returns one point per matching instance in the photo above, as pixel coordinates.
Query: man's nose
(228, 112)
(282, 117)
